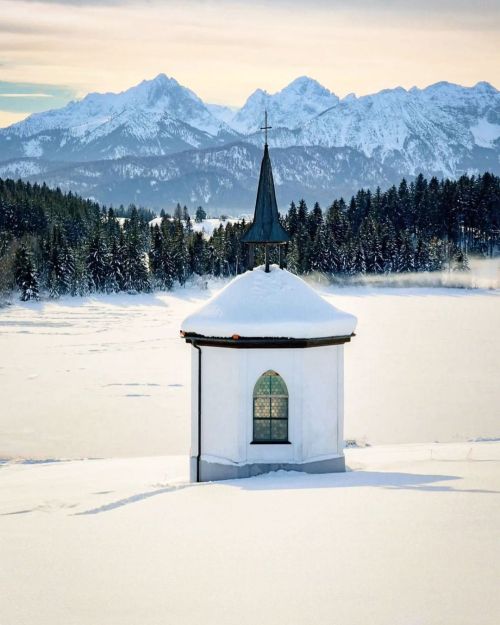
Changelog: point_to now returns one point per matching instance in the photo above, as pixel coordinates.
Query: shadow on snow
(292, 480)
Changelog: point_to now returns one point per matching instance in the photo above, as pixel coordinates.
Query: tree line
(58, 243)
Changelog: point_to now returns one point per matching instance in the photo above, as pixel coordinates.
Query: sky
(53, 51)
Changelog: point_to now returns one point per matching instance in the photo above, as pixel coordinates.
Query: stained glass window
(270, 409)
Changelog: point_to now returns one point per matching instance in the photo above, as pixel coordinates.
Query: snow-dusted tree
(160, 262)
(180, 255)
(97, 263)
(60, 264)
(315, 221)
(422, 254)
(302, 213)
(461, 262)
(200, 215)
(405, 260)
(79, 284)
(292, 220)
(360, 259)
(178, 211)
(437, 254)
(320, 254)
(303, 249)
(389, 247)
(25, 274)
(197, 254)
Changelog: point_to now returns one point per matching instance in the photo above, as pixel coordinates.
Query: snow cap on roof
(277, 304)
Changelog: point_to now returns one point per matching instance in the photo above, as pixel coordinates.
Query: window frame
(269, 418)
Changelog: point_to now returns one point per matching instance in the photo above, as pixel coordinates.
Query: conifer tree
(79, 284)
(178, 212)
(461, 262)
(315, 220)
(405, 261)
(25, 274)
(292, 221)
(60, 264)
(180, 254)
(302, 213)
(197, 254)
(97, 263)
(200, 215)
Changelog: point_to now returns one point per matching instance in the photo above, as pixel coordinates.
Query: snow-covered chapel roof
(277, 304)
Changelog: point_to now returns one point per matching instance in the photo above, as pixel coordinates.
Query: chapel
(267, 365)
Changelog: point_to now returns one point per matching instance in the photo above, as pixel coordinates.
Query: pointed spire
(266, 227)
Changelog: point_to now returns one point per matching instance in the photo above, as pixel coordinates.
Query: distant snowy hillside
(223, 179)
(444, 130)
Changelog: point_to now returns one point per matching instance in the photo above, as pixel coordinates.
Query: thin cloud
(225, 49)
(26, 95)
(32, 97)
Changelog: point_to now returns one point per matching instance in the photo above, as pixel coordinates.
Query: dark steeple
(266, 228)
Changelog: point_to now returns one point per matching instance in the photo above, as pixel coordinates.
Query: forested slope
(62, 244)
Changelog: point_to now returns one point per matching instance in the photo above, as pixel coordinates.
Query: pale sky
(56, 50)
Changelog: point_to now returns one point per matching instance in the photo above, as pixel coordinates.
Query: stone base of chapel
(214, 471)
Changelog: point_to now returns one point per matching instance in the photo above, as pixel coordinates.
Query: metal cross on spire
(265, 127)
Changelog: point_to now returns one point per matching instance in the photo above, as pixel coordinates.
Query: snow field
(409, 537)
(108, 376)
(207, 226)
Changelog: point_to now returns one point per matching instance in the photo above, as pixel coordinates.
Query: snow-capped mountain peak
(161, 95)
(304, 85)
(155, 117)
(293, 106)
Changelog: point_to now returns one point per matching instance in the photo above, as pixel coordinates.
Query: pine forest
(54, 243)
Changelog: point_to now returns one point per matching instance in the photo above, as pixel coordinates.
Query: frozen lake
(108, 376)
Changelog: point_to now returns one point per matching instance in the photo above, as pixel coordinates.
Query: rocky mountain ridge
(443, 130)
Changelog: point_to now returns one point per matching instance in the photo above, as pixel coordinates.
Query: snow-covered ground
(408, 538)
(108, 376)
(207, 226)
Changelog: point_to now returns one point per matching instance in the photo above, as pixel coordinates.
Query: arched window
(270, 409)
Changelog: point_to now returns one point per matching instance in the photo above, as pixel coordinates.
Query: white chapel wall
(314, 380)
(320, 404)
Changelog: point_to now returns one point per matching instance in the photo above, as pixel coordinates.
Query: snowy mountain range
(158, 143)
